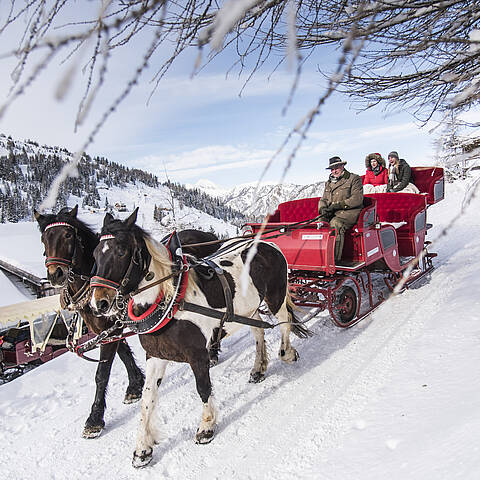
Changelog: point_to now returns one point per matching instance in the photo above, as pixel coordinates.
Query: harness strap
(250, 236)
(57, 261)
(175, 273)
(75, 301)
(97, 281)
(227, 292)
(210, 312)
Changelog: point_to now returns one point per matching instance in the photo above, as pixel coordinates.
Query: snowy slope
(395, 397)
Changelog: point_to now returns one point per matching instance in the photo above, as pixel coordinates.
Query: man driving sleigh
(342, 201)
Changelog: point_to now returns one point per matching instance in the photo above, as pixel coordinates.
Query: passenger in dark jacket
(399, 175)
(342, 201)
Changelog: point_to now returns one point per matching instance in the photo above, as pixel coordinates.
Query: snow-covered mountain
(256, 201)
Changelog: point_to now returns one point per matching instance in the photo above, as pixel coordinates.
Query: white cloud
(204, 161)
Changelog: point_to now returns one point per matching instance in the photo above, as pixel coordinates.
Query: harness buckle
(120, 301)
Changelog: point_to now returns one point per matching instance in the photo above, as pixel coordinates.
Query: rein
(248, 236)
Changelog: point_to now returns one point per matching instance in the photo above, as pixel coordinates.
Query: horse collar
(160, 313)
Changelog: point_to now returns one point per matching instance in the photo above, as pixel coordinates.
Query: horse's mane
(160, 255)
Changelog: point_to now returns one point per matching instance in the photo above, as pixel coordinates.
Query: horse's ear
(132, 218)
(107, 219)
(38, 216)
(73, 212)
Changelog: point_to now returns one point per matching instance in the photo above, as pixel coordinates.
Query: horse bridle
(78, 299)
(137, 261)
(67, 262)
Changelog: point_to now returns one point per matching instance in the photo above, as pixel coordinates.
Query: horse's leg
(95, 423)
(147, 435)
(257, 374)
(214, 347)
(201, 370)
(136, 379)
(287, 353)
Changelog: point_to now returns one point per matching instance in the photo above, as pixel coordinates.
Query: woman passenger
(399, 175)
(376, 176)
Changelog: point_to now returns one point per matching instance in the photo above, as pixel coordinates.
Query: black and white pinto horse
(123, 248)
(69, 244)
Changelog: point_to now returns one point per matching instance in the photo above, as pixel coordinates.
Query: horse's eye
(121, 251)
(68, 235)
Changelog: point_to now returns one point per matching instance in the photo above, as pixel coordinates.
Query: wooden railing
(41, 286)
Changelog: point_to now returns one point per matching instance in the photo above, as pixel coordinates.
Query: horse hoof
(132, 398)
(290, 356)
(92, 431)
(205, 436)
(256, 377)
(143, 459)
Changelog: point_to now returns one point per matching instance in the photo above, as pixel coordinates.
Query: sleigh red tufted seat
(297, 210)
(404, 207)
(398, 207)
(302, 209)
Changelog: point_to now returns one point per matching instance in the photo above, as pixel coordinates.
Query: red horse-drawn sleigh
(387, 242)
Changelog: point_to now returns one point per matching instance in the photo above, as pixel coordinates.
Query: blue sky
(200, 128)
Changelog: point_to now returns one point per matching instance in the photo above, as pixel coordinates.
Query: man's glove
(323, 211)
(337, 206)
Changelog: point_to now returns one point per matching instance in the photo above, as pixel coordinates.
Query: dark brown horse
(69, 245)
(128, 260)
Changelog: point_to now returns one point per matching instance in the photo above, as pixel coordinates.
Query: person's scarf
(333, 179)
(392, 174)
(377, 170)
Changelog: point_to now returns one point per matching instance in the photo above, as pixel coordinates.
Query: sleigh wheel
(344, 307)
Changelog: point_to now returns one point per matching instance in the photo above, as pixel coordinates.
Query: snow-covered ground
(395, 397)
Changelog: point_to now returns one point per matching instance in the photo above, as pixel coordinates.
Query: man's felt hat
(335, 162)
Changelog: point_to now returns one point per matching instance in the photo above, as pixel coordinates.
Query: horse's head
(122, 259)
(63, 244)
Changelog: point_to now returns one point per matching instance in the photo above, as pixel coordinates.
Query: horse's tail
(298, 328)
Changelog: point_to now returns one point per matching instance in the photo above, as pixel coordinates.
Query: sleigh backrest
(430, 182)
